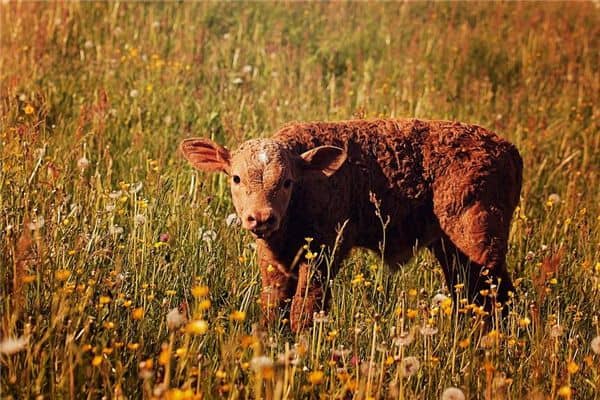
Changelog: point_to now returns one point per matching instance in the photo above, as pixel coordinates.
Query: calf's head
(263, 173)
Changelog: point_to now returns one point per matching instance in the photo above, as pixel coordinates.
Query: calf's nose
(261, 220)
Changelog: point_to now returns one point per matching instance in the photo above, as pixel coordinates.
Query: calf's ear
(206, 155)
(323, 160)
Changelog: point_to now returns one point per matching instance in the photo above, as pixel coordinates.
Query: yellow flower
(316, 377)
(133, 346)
(97, 361)
(464, 343)
(62, 275)
(104, 300)
(137, 313)
(524, 322)
(237, 316)
(197, 327)
(572, 367)
(204, 305)
(170, 292)
(29, 109)
(412, 292)
(565, 391)
(200, 291)
(28, 279)
(411, 314)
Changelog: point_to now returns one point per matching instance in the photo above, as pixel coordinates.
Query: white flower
(168, 120)
(209, 236)
(139, 219)
(36, 224)
(453, 393)
(556, 331)
(88, 44)
(133, 93)
(156, 24)
(13, 345)
(109, 207)
(175, 319)
(135, 187)
(118, 31)
(22, 97)
(247, 69)
(233, 220)
(409, 366)
(595, 345)
(438, 299)
(428, 330)
(83, 163)
(261, 363)
(237, 81)
(115, 194)
(404, 339)
(115, 230)
(554, 198)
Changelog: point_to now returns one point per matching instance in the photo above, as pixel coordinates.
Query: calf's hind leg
(476, 241)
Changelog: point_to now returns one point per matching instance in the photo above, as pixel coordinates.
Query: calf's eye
(236, 179)
(287, 183)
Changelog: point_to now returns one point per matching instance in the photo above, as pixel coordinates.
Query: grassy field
(120, 278)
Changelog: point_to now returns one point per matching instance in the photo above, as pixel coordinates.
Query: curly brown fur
(447, 186)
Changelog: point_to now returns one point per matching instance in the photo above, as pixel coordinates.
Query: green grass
(95, 99)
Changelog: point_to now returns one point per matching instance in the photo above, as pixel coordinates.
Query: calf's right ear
(206, 155)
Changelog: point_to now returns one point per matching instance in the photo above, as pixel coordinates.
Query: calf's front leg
(310, 297)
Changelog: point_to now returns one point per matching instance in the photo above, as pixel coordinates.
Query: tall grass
(105, 231)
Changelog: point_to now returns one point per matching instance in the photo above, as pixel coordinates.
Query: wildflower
(29, 109)
(200, 291)
(137, 313)
(83, 163)
(320, 317)
(133, 93)
(464, 343)
(36, 224)
(237, 81)
(409, 366)
(96, 361)
(88, 44)
(453, 393)
(135, 187)
(168, 120)
(175, 319)
(115, 194)
(62, 275)
(247, 69)
(209, 236)
(237, 316)
(572, 367)
(553, 199)
(316, 377)
(428, 330)
(105, 300)
(197, 327)
(262, 365)
(139, 219)
(440, 299)
(595, 345)
(565, 391)
(404, 339)
(524, 322)
(204, 305)
(133, 346)
(115, 230)
(556, 331)
(164, 238)
(233, 220)
(411, 314)
(13, 345)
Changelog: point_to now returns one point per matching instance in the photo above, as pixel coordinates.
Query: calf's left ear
(323, 160)
(206, 155)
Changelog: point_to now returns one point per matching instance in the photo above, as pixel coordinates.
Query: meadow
(123, 274)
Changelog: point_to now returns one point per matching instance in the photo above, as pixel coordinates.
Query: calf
(447, 186)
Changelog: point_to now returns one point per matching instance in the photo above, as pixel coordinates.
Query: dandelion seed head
(139, 219)
(83, 163)
(453, 393)
(175, 319)
(13, 345)
(133, 93)
(595, 345)
(233, 220)
(409, 366)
